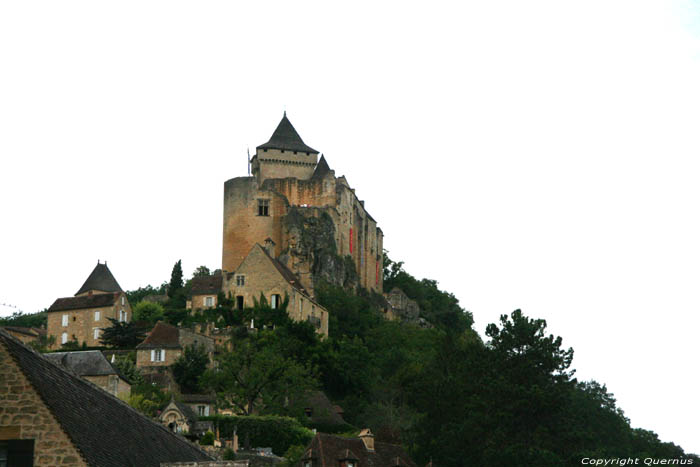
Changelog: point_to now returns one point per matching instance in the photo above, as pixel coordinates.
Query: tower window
(240, 280)
(263, 207)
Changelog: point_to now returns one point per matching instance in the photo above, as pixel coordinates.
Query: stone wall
(24, 416)
(143, 358)
(113, 384)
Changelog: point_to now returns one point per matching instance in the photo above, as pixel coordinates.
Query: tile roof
(321, 168)
(100, 279)
(162, 336)
(286, 137)
(329, 449)
(206, 284)
(83, 363)
(106, 431)
(84, 301)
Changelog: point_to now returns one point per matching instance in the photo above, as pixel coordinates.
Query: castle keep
(308, 220)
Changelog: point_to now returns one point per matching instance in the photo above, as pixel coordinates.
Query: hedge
(279, 433)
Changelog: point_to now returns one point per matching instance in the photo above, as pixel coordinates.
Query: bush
(279, 433)
(207, 439)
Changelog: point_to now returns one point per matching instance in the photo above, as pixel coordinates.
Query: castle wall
(23, 416)
(275, 163)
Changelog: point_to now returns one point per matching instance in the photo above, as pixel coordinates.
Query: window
(96, 333)
(275, 301)
(97, 316)
(209, 301)
(123, 301)
(240, 280)
(64, 338)
(239, 302)
(263, 207)
(64, 320)
(157, 355)
(351, 241)
(202, 410)
(122, 316)
(301, 305)
(17, 452)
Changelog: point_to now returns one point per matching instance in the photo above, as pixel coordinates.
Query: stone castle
(305, 217)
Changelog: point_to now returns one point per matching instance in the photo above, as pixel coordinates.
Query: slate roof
(100, 279)
(323, 412)
(84, 301)
(286, 138)
(33, 332)
(206, 284)
(106, 431)
(162, 336)
(83, 363)
(321, 169)
(329, 449)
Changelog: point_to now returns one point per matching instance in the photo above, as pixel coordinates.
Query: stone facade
(258, 274)
(86, 325)
(23, 416)
(113, 384)
(257, 208)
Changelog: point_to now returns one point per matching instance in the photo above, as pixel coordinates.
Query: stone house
(179, 417)
(290, 194)
(165, 343)
(25, 335)
(49, 417)
(92, 366)
(261, 273)
(330, 450)
(82, 317)
(204, 292)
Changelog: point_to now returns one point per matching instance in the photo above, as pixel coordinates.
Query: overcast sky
(533, 155)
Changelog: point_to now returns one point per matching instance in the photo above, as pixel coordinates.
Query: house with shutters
(50, 416)
(82, 317)
(165, 343)
(204, 293)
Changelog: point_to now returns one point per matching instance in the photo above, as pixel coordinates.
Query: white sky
(534, 155)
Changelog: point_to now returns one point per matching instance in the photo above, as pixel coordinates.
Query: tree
(189, 368)
(201, 271)
(122, 335)
(175, 285)
(43, 343)
(25, 320)
(128, 369)
(148, 311)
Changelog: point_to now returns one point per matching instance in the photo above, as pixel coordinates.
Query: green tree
(25, 320)
(201, 271)
(128, 369)
(148, 311)
(175, 285)
(122, 335)
(189, 367)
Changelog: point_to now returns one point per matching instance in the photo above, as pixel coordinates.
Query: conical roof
(100, 279)
(286, 138)
(321, 168)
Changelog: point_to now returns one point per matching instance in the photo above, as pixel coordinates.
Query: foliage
(293, 455)
(175, 285)
(128, 369)
(207, 439)
(229, 455)
(280, 433)
(25, 320)
(122, 335)
(148, 399)
(201, 271)
(189, 367)
(73, 345)
(43, 343)
(136, 296)
(148, 311)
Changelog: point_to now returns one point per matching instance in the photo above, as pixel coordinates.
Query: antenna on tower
(248, 150)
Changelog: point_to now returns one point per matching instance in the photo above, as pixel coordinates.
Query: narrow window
(64, 320)
(263, 207)
(240, 280)
(157, 355)
(275, 301)
(201, 410)
(97, 316)
(122, 301)
(122, 316)
(64, 338)
(96, 333)
(301, 305)
(239, 302)
(350, 241)
(209, 301)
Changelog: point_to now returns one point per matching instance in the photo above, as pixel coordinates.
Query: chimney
(270, 247)
(368, 438)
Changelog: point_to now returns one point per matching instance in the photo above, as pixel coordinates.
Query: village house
(82, 318)
(329, 450)
(165, 343)
(205, 291)
(50, 417)
(261, 274)
(179, 417)
(92, 366)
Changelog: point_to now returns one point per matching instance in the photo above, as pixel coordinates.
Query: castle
(309, 222)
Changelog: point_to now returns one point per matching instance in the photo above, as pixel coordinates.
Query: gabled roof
(83, 363)
(286, 138)
(100, 279)
(85, 301)
(288, 275)
(329, 449)
(99, 425)
(162, 336)
(321, 168)
(202, 285)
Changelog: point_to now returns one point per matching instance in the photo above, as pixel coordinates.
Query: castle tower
(285, 155)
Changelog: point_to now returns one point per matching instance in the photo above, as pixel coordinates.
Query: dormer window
(263, 207)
